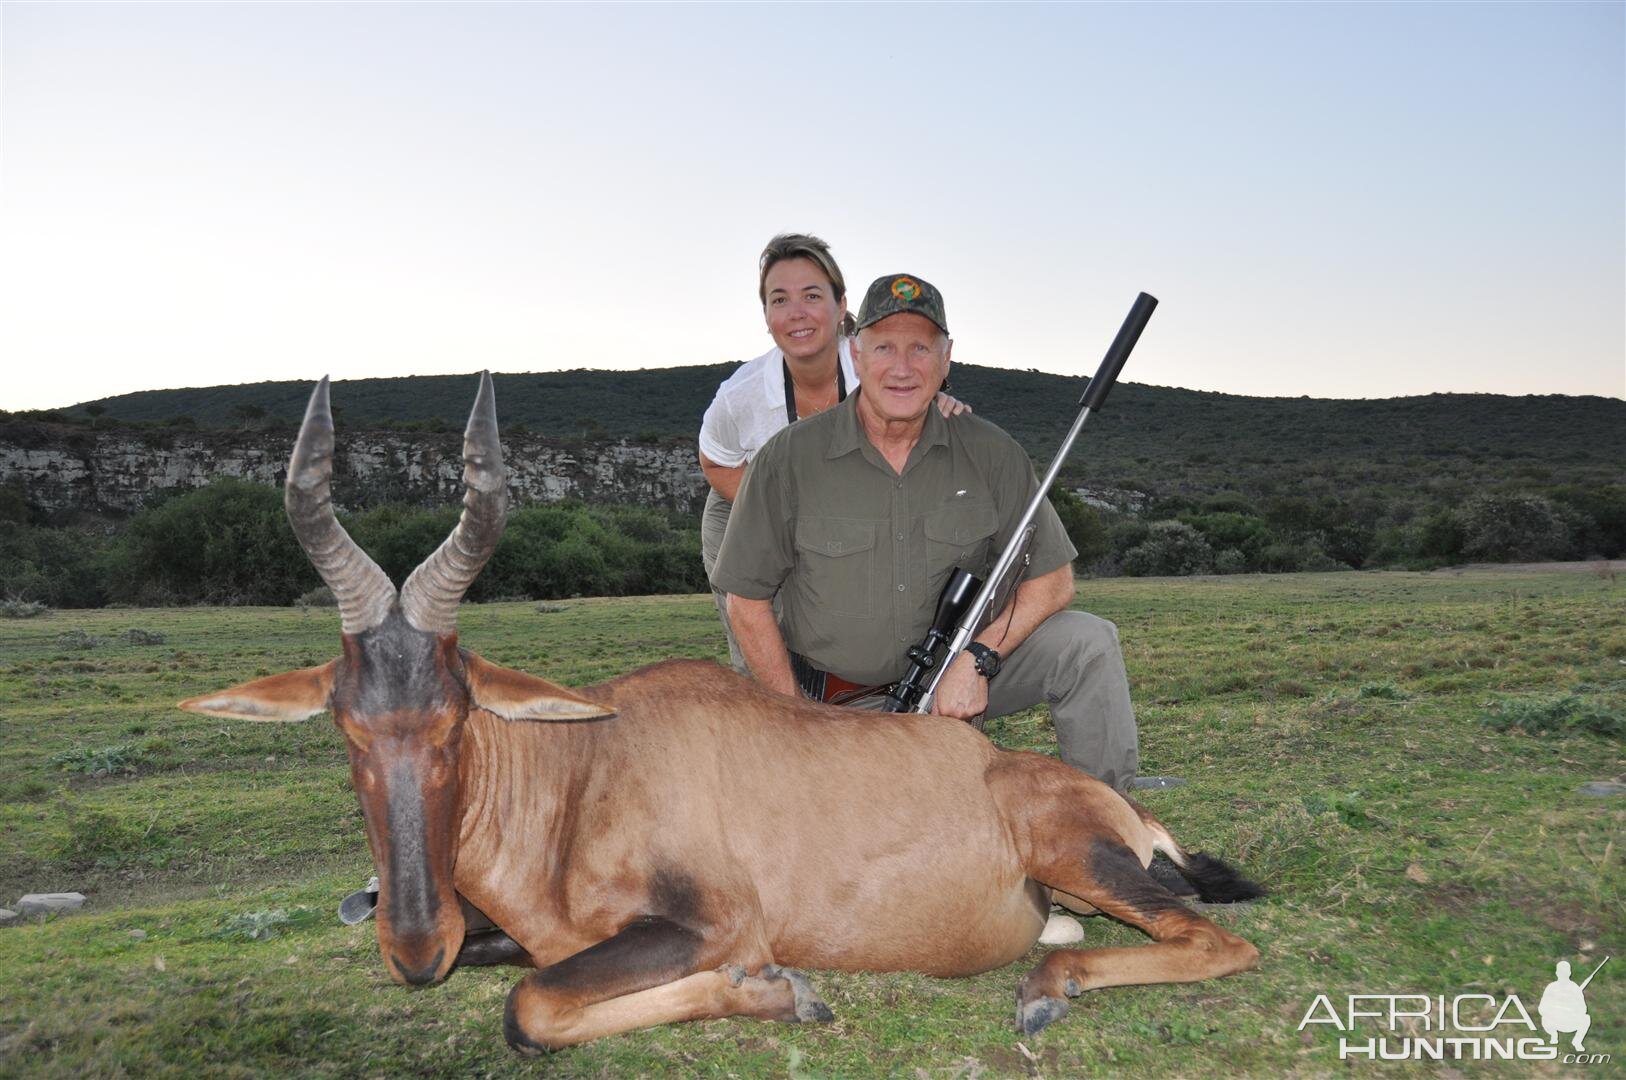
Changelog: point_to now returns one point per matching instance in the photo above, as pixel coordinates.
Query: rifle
(918, 687)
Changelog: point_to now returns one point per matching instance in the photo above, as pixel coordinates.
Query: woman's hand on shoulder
(949, 405)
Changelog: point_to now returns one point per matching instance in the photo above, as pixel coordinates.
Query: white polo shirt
(750, 406)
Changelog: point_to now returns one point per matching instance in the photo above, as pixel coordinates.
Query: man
(857, 516)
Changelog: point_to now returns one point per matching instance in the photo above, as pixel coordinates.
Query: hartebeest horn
(431, 595)
(363, 591)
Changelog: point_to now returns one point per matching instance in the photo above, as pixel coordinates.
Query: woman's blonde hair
(816, 251)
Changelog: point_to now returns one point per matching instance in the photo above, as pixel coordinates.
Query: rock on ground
(46, 903)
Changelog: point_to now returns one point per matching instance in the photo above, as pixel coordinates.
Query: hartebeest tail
(1216, 881)
(663, 846)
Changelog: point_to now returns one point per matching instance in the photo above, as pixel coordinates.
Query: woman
(809, 369)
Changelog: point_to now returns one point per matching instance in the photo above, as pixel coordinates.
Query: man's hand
(949, 405)
(963, 692)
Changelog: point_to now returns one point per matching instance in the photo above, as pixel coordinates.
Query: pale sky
(1362, 200)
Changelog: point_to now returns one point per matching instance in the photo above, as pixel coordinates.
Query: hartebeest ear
(293, 695)
(514, 695)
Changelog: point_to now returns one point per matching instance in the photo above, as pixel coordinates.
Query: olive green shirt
(859, 554)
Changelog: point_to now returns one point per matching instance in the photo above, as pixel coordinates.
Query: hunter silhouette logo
(1472, 1026)
(1563, 1005)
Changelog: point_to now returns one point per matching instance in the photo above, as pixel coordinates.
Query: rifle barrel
(1095, 395)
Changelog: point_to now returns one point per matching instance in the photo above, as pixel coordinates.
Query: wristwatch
(988, 661)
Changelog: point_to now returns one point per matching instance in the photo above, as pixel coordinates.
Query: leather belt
(829, 687)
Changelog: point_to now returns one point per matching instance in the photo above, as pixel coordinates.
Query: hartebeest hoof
(810, 1008)
(1037, 1006)
(1038, 1014)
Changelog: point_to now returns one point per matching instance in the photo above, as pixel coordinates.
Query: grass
(1396, 756)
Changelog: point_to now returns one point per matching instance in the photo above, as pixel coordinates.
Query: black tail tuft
(1217, 881)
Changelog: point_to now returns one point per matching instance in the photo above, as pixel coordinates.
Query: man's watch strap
(988, 661)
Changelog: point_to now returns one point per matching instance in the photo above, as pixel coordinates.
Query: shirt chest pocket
(836, 565)
(961, 535)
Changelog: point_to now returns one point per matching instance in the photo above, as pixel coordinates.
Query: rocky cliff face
(119, 470)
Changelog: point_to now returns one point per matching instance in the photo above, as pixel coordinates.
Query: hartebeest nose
(421, 976)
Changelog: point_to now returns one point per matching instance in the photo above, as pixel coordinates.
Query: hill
(1168, 443)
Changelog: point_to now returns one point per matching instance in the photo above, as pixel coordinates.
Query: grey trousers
(713, 523)
(1072, 663)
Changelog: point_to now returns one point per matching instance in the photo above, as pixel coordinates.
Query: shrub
(102, 761)
(265, 925)
(56, 567)
(137, 636)
(1566, 713)
(1228, 529)
(1441, 536)
(321, 596)
(22, 609)
(1597, 517)
(228, 543)
(1288, 557)
(1512, 528)
(1171, 548)
(1085, 526)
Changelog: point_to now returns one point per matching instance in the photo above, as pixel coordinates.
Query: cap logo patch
(906, 289)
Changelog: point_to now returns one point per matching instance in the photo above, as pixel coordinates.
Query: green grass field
(1395, 756)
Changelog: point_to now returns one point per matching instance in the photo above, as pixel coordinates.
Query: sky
(1332, 200)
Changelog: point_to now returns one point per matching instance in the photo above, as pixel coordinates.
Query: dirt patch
(1570, 919)
(1601, 567)
(1453, 898)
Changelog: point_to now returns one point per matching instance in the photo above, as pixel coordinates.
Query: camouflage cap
(896, 294)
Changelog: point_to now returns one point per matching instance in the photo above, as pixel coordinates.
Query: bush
(1598, 525)
(265, 925)
(1292, 557)
(55, 567)
(78, 639)
(22, 609)
(1085, 526)
(102, 761)
(1229, 529)
(1512, 528)
(1567, 713)
(567, 549)
(228, 543)
(321, 596)
(1171, 548)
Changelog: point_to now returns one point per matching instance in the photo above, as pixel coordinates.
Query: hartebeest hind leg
(1187, 947)
(645, 976)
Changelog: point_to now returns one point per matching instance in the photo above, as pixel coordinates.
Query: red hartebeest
(660, 845)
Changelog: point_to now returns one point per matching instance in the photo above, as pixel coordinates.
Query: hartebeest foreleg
(491, 947)
(1186, 948)
(644, 976)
